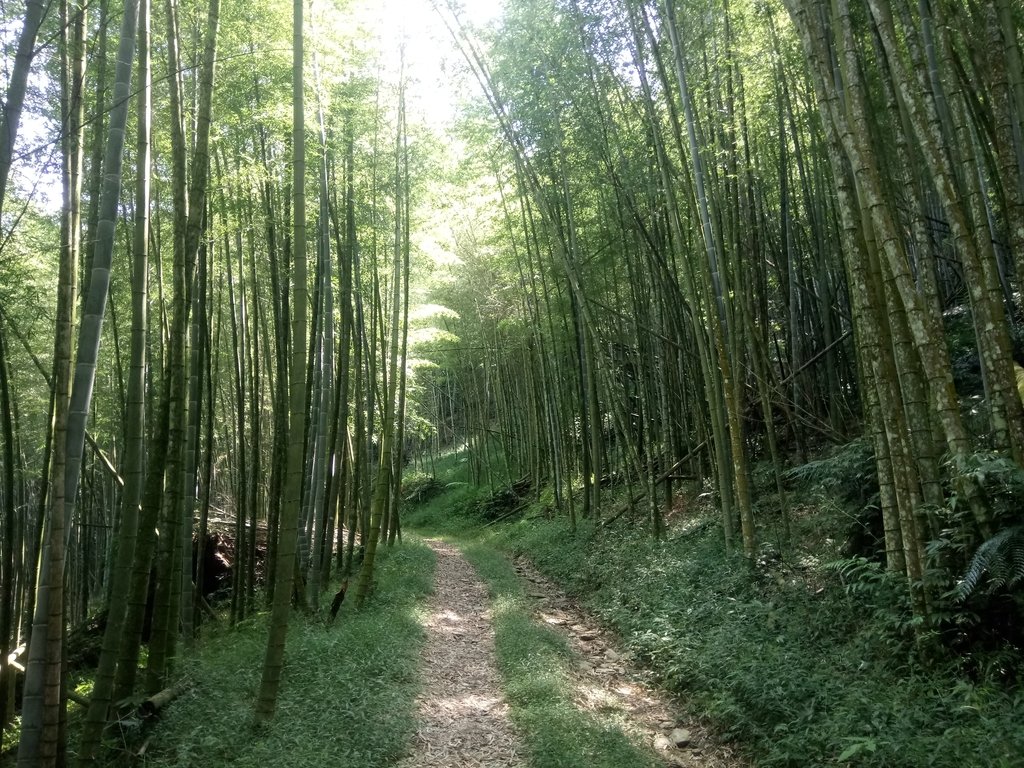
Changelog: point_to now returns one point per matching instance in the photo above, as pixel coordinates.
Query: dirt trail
(463, 718)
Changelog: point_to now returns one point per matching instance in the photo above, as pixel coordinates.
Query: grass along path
(608, 683)
(551, 701)
(463, 718)
(348, 692)
(450, 665)
(789, 663)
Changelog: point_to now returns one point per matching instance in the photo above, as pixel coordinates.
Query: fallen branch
(141, 752)
(151, 707)
(507, 515)
(657, 481)
(204, 605)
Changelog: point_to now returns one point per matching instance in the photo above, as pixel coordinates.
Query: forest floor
(464, 658)
(463, 718)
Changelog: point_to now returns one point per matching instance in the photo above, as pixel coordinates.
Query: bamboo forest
(512, 383)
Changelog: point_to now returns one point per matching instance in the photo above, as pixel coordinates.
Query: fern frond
(853, 460)
(1001, 557)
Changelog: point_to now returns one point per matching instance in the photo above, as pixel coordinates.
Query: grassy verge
(535, 663)
(348, 693)
(785, 662)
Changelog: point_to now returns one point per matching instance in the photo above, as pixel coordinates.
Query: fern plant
(1001, 557)
(849, 472)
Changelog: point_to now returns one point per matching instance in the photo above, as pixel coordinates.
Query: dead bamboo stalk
(152, 706)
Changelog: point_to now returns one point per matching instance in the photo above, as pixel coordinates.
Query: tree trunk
(285, 569)
(39, 745)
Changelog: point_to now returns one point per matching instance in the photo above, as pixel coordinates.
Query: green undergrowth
(348, 692)
(535, 663)
(445, 502)
(451, 513)
(781, 660)
(796, 663)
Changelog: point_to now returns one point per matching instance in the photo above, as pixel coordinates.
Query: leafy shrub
(980, 581)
